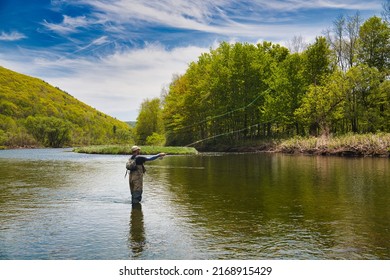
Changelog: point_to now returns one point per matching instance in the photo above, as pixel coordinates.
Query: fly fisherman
(137, 175)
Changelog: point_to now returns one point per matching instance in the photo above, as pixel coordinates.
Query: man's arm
(142, 159)
(155, 157)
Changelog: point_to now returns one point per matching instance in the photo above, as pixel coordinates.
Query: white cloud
(13, 36)
(223, 17)
(194, 15)
(295, 5)
(199, 15)
(116, 84)
(95, 44)
(68, 24)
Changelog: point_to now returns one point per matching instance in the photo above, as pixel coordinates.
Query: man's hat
(135, 148)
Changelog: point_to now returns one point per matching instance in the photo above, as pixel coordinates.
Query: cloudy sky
(113, 54)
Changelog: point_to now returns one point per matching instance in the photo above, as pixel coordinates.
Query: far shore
(351, 145)
(126, 150)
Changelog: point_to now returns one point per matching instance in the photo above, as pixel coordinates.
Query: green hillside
(34, 113)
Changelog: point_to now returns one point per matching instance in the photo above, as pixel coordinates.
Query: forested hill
(34, 113)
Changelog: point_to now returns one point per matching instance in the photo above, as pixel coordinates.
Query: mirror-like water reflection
(56, 204)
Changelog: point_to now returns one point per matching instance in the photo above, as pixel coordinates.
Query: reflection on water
(59, 205)
(137, 230)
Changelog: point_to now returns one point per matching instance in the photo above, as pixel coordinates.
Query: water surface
(56, 204)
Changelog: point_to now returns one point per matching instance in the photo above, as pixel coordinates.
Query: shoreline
(126, 150)
(353, 145)
(341, 152)
(350, 145)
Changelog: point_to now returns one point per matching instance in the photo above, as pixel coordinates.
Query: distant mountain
(131, 123)
(34, 113)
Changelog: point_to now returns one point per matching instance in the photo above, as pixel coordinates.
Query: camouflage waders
(136, 184)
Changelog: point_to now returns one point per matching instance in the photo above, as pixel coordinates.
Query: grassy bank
(126, 150)
(360, 145)
(377, 145)
(363, 145)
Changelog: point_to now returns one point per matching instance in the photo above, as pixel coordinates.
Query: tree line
(237, 92)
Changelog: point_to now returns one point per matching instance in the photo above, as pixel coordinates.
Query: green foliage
(242, 92)
(323, 105)
(374, 44)
(3, 137)
(33, 113)
(384, 90)
(222, 92)
(155, 139)
(365, 101)
(317, 61)
(51, 131)
(149, 120)
(288, 84)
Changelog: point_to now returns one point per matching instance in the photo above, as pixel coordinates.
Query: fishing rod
(227, 133)
(226, 113)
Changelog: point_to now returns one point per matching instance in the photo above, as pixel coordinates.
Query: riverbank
(362, 145)
(351, 145)
(126, 150)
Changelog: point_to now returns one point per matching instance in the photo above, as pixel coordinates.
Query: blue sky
(113, 54)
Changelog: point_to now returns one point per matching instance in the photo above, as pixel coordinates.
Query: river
(56, 204)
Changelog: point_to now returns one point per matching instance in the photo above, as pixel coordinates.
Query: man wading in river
(137, 173)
